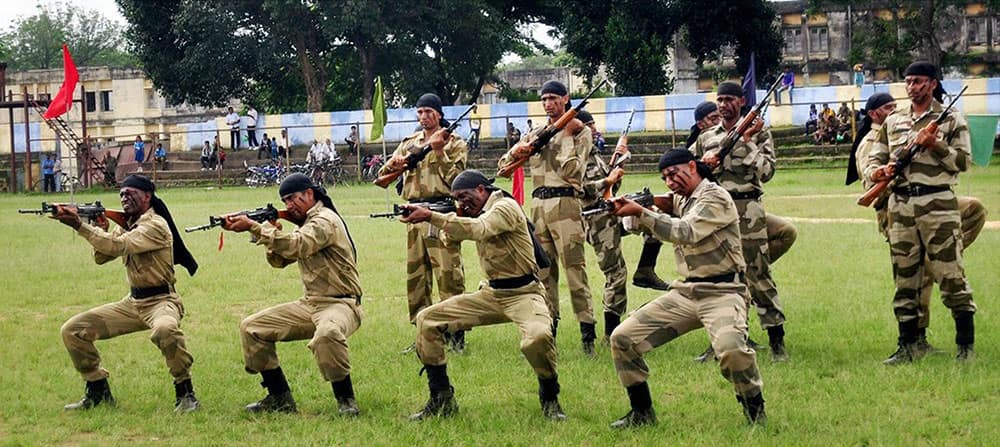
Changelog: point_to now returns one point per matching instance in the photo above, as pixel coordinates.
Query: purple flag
(750, 85)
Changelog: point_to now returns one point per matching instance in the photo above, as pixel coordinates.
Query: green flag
(982, 129)
(379, 116)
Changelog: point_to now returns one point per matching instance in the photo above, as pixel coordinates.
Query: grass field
(835, 284)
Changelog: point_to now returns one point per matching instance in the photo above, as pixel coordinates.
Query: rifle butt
(873, 193)
(387, 179)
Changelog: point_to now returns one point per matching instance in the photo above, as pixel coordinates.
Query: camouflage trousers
(161, 314)
(781, 235)
(525, 306)
(604, 233)
(326, 321)
(754, 238)
(926, 240)
(428, 256)
(559, 228)
(719, 308)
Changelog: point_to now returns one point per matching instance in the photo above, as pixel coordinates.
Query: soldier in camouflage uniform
(329, 312)
(923, 215)
(742, 173)
(426, 254)
(149, 246)
(604, 231)
(512, 292)
(704, 228)
(557, 175)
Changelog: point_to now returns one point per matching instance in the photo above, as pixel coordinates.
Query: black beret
(675, 157)
(431, 100)
(585, 117)
(704, 109)
(730, 88)
(921, 68)
(295, 183)
(554, 87)
(139, 182)
(470, 179)
(878, 100)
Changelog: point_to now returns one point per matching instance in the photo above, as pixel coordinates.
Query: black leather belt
(736, 195)
(546, 192)
(919, 190)
(725, 277)
(512, 283)
(357, 299)
(141, 293)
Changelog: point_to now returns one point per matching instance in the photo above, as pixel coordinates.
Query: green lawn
(835, 283)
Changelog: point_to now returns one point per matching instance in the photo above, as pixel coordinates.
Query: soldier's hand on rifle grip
(521, 150)
(397, 162)
(101, 221)
(238, 223)
(438, 140)
(416, 214)
(884, 173)
(67, 216)
(756, 127)
(927, 137)
(276, 224)
(614, 176)
(625, 207)
(711, 159)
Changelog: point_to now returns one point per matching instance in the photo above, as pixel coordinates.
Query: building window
(977, 30)
(793, 41)
(819, 40)
(106, 101)
(91, 101)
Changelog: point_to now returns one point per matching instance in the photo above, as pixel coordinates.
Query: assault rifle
(413, 159)
(546, 135)
(89, 211)
(617, 160)
(443, 206)
(904, 155)
(746, 123)
(646, 199)
(264, 214)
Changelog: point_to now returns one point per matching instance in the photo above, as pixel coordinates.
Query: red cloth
(518, 188)
(64, 99)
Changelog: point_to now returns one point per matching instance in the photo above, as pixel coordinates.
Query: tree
(35, 42)
(747, 26)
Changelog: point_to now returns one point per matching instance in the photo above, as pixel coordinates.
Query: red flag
(518, 188)
(64, 99)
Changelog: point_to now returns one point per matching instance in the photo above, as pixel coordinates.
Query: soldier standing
(923, 214)
(512, 293)
(704, 228)
(742, 173)
(426, 254)
(329, 312)
(149, 246)
(557, 175)
(604, 231)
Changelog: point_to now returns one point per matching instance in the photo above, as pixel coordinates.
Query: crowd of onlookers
(826, 126)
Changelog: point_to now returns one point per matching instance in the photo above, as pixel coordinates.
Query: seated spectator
(813, 121)
(264, 150)
(160, 156)
(206, 156)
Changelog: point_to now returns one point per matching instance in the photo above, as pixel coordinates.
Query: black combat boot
(907, 341)
(279, 395)
(642, 408)
(965, 336)
(611, 321)
(343, 391)
(709, 354)
(922, 347)
(753, 409)
(588, 333)
(442, 400)
(776, 339)
(647, 278)
(97, 393)
(548, 394)
(457, 342)
(185, 401)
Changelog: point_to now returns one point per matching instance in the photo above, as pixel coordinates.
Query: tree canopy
(35, 42)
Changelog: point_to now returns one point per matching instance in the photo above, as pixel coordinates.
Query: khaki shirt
(561, 163)
(146, 248)
(748, 165)
(933, 166)
(706, 237)
(433, 176)
(861, 159)
(501, 235)
(322, 248)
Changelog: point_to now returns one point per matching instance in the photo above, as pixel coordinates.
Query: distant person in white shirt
(233, 121)
(252, 127)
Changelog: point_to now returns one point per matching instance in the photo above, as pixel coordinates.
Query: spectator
(285, 148)
(859, 75)
(233, 121)
(140, 151)
(475, 122)
(530, 126)
(787, 83)
(844, 114)
(222, 158)
(57, 168)
(206, 156)
(251, 127)
(317, 154)
(264, 150)
(813, 121)
(331, 151)
(513, 135)
(827, 112)
(274, 149)
(216, 147)
(110, 170)
(353, 140)
(160, 156)
(48, 174)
